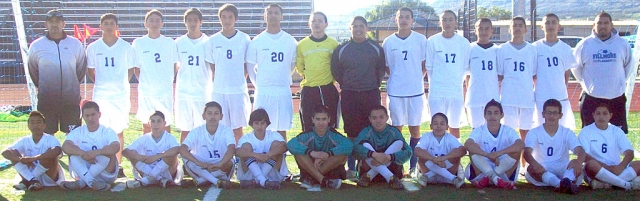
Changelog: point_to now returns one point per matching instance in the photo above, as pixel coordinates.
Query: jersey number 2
(157, 55)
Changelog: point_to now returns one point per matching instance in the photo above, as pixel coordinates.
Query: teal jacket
(332, 142)
(380, 141)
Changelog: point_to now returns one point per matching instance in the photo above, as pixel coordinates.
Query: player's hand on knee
(319, 155)
(375, 163)
(618, 169)
(317, 163)
(262, 158)
(441, 164)
(537, 169)
(493, 156)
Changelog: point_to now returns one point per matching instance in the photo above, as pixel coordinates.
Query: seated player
(35, 157)
(321, 152)
(154, 156)
(439, 154)
(381, 148)
(547, 152)
(261, 154)
(92, 152)
(604, 143)
(494, 149)
(208, 149)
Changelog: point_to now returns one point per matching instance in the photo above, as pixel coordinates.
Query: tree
(494, 13)
(389, 8)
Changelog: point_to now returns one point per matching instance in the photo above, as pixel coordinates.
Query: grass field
(10, 132)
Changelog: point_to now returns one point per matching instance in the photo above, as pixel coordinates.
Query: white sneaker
(20, 186)
(164, 182)
(134, 184)
(595, 184)
(635, 184)
(458, 182)
(423, 179)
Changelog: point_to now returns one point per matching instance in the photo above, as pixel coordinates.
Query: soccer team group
(211, 72)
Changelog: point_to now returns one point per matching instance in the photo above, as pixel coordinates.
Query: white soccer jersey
(27, 147)
(404, 58)
(112, 66)
(447, 60)
(193, 81)
(488, 143)
(87, 141)
(156, 59)
(551, 150)
(228, 55)
(146, 145)
(206, 147)
(260, 146)
(605, 146)
(437, 147)
(518, 68)
(553, 62)
(483, 76)
(274, 55)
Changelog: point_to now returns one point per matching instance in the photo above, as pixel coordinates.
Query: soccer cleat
(635, 185)
(100, 186)
(504, 184)
(352, 175)
(423, 179)
(272, 185)
(225, 184)
(413, 173)
(164, 182)
(248, 183)
(121, 173)
(133, 184)
(458, 182)
(395, 183)
(70, 185)
(595, 184)
(306, 183)
(573, 189)
(364, 180)
(484, 182)
(20, 186)
(565, 186)
(35, 185)
(333, 183)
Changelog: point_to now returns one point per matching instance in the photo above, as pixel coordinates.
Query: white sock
(482, 164)
(430, 174)
(82, 168)
(159, 168)
(608, 177)
(382, 169)
(569, 174)
(145, 180)
(440, 170)
(265, 168)
(144, 168)
(394, 147)
(368, 146)
(99, 166)
(202, 172)
(254, 168)
(506, 163)
(550, 179)
(24, 171)
(38, 170)
(627, 174)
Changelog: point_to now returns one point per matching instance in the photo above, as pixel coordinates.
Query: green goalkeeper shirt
(380, 141)
(332, 143)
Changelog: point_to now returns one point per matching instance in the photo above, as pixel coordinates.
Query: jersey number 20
(277, 57)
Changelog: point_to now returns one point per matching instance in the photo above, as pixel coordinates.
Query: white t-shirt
(488, 143)
(437, 147)
(193, 81)
(260, 146)
(206, 147)
(551, 149)
(553, 62)
(156, 59)
(88, 141)
(518, 68)
(483, 79)
(112, 66)
(404, 58)
(274, 55)
(27, 147)
(447, 61)
(605, 146)
(228, 55)
(147, 145)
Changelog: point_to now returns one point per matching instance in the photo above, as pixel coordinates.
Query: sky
(341, 7)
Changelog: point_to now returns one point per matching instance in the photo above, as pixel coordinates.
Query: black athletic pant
(355, 106)
(310, 97)
(617, 106)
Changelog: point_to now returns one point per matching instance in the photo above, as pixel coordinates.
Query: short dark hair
(193, 11)
(320, 109)
(552, 103)
(90, 104)
(157, 113)
(212, 104)
(440, 114)
(605, 14)
(107, 16)
(228, 7)
(548, 15)
(271, 6)
(483, 20)
(358, 17)
(519, 18)
(259, 115)
(405, 9)
(378, 107)
(605, 105)
(495, 103)
(153, 12)
(450, 11)
(319, 13)
(36, 113)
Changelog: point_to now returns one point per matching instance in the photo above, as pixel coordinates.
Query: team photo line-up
(211, 73)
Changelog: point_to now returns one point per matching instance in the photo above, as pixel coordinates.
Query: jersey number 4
(215, 153)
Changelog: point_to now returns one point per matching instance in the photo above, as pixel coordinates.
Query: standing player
(35, 157)
(404, 52)
(226, 51)
(482, 78)
(57, 65)
(208, 149)
(261, 154)
(272, 57)
(439, 154)
(517, 70)
(547, 152)
(604, 143)
(92, 152)
(604, 64)
(382, 150)
(193, 81)
(157, 59)
(321, 152)
(494, 149)
(313, 63)
(554, 59)
(111, 63)
(359, 66)
(447, 58)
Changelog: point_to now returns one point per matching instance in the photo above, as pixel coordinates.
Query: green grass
(10, 132)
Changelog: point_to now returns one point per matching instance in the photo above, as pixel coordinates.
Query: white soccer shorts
(189, 114)
(148, 105)
(279, 106)
(115, 113)
(236, 109)
(476, 116)
(406, 110)
(453, 108)
(518, 118)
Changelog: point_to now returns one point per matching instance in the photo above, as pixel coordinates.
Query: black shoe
(572, 189)
(565, 186)
(121, 173)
